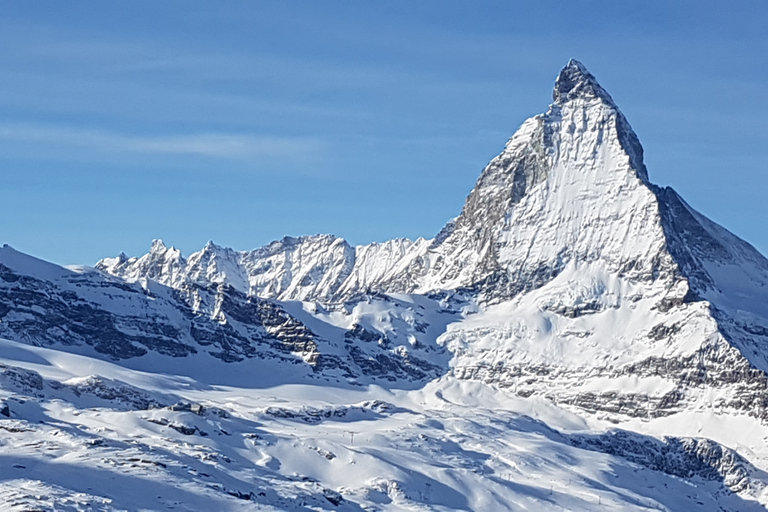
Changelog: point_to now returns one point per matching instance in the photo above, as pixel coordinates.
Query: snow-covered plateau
(576, 339)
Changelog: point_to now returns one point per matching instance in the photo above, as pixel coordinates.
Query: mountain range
(577, 337)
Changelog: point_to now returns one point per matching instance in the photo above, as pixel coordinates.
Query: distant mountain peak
(211, 247)
(158, 246)
(575, 81)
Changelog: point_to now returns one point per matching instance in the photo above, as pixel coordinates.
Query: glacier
(576, 338)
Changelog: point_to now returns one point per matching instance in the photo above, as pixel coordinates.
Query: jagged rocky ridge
(681, 457)
(88, 311)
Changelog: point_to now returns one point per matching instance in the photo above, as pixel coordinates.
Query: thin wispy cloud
(214, 145)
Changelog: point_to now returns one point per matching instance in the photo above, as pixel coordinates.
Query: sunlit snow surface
(453, 445)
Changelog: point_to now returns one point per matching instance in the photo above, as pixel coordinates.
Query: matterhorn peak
(575, 81)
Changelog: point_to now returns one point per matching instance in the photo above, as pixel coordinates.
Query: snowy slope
(78, 440)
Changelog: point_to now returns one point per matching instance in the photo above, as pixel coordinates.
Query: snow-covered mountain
(569, 296)
(572, 261)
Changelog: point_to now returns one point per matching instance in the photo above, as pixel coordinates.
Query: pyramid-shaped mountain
(565, 262)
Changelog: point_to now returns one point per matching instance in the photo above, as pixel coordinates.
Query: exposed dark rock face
(113, 391)
(42, 313)
(687, 458)
(314, 415)
(721, 368)
(21, 380)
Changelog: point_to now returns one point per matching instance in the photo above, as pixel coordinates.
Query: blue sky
(242, 122)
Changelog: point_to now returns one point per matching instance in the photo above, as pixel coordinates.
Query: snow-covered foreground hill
(84, 434)
(577, 338)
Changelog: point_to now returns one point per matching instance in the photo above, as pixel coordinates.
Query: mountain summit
(575, 81)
